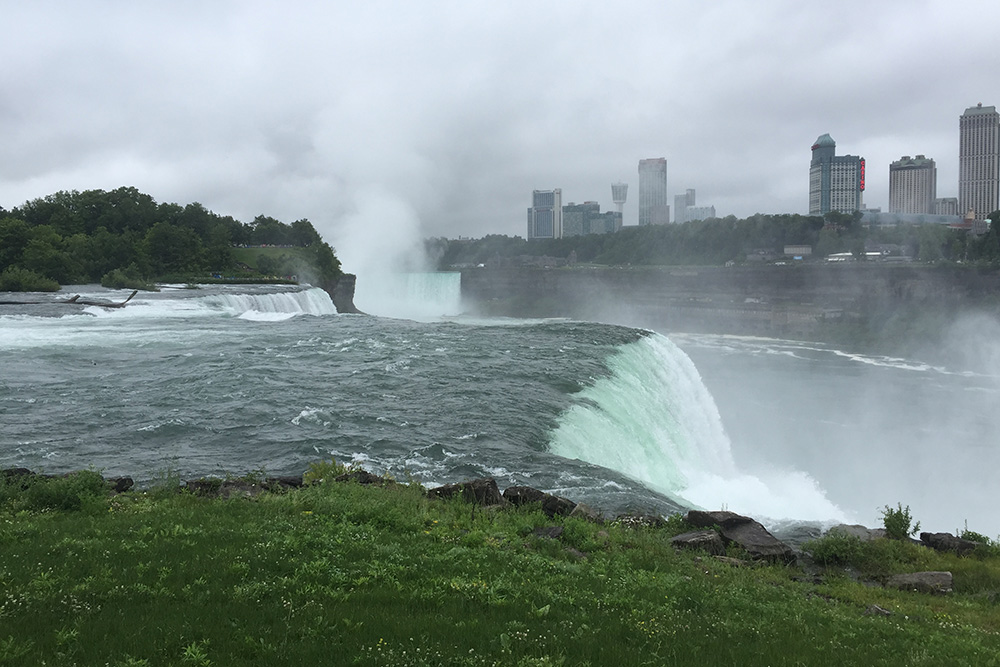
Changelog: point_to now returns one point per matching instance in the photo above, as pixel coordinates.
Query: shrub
(129, 278)
(16, 279)
(85, 489)
(899, 522)
(323, 471)
(839, 549)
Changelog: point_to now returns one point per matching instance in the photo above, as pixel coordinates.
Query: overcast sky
(439, 118)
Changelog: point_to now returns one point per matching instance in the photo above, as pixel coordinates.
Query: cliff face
(797, 300)
(341, 292)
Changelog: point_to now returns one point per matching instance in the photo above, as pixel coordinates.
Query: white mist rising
(381, 242)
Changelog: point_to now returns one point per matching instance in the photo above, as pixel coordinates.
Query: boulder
(947, 542)
(478, 491)
(551, 505)
(120, 484)
(702, 540)
(923, 582)
(744, 532)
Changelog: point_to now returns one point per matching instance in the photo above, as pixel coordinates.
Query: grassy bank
(339, 573)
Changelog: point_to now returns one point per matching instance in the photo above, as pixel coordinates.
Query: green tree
(173, 249)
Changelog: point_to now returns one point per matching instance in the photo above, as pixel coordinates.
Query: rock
(947, 542)
(551, 505)
(923, 582)
(523, 495)
(858, 531)
(477, 491)
(704, 540)
(744, 532)
(120, 484)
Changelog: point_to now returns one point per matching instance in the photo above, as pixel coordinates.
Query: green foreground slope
(339, 573)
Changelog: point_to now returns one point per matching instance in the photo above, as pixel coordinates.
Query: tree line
(716, 241)
(124, 235)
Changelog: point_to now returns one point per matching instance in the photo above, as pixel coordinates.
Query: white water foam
(654, 420)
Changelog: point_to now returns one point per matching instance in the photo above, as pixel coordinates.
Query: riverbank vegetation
(124, 238)
(340, 573)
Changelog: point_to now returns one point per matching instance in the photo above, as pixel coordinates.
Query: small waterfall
(418, 296)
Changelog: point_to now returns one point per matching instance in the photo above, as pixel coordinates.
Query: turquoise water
(231, 380)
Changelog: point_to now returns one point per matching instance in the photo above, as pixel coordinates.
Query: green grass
(343, 574)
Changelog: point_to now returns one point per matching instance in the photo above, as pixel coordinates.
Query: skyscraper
(545, 214)
(653, 206)
(912, 185)
(979, 161)
(681, 205)
(836, 182)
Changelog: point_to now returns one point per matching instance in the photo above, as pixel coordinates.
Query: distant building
(586, 218)
(686, 211)
(545, 214)
(681, 205)
(836, 182)
(946, 206)
(912, 185)
(653, 206)
(979, 161)
(619, 192)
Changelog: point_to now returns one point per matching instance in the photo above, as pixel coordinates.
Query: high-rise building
(586, 218)
(836, 182)
(946, 206)
(681, 205)
(979, 161)
(653, 206)
(912, 185)
(545, 214)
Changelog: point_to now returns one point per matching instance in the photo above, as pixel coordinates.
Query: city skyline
(391, 121)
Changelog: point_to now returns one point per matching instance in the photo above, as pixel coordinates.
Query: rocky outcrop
(744, 532)
(937, 583)
(341, 292)
(948, 542)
